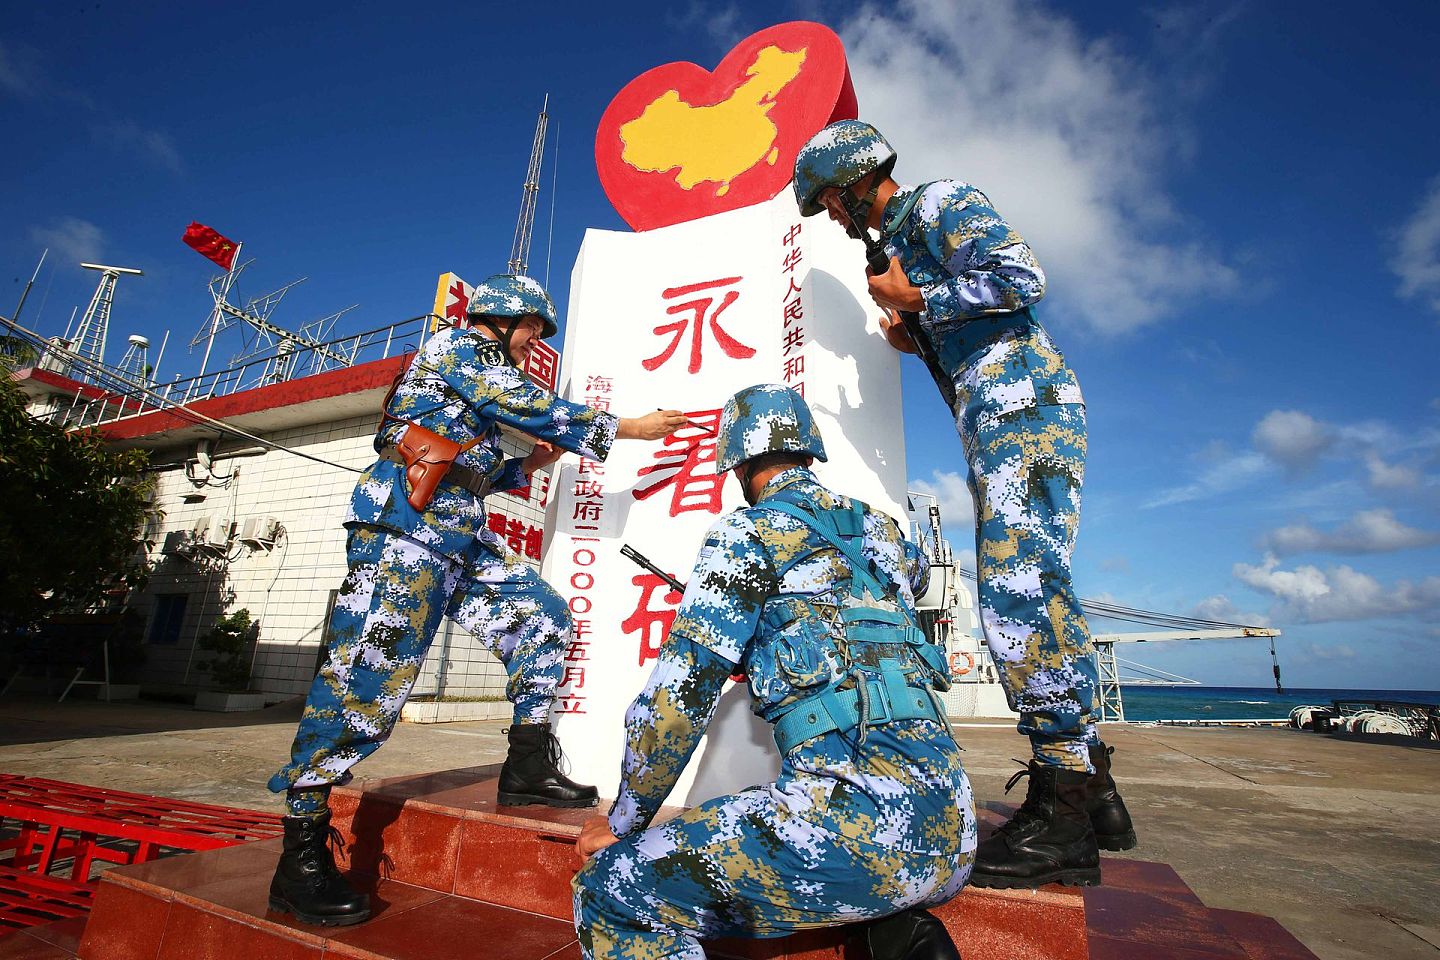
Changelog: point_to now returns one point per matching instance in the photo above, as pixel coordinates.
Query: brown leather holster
(426, 455)
(427, 458)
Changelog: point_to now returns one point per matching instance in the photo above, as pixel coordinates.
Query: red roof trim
(332, 383)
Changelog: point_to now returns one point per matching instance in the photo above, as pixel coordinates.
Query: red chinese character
(534, 539)
(729, 345)
(589, 488)
(597, 403)
(515, 535)
(592, 466)
(652, 624)
(582, 628)
(527, 492)
(794, 312)
(792, 258)
(587, 510)
(685, 461)
(578, 649)
(574, 678)
(540, 365)
(568, 704)
(794, 367)
(598, 385)
(496, 522)
(794, 339)
(792, 234)
(455, 309)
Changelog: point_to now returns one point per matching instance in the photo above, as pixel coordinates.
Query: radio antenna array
(94, 327)
(525, 225)
(261, 334)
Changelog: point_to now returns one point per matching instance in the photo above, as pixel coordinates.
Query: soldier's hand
(893, 289)
(595, 836)
(652, 426)
(895, 333)
(541, 456)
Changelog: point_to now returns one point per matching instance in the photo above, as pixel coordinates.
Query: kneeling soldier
(812, 594)
(419, 549)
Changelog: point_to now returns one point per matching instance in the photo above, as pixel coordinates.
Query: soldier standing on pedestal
(970, 283)
(419, 549)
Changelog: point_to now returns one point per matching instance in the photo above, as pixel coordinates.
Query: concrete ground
(1336, 838)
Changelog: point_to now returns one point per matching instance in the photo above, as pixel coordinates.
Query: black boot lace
(1029, 810)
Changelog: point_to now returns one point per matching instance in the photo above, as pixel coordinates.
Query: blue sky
(1238, 205)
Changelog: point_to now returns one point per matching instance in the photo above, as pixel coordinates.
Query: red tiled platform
(452, 874)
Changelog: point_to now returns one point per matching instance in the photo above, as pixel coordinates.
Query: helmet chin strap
(858, 210)
(745, 471)
(504, 338)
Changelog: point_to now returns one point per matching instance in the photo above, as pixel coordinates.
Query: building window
(166, 618)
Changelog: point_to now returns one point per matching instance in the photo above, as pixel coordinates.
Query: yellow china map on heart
(717, 143)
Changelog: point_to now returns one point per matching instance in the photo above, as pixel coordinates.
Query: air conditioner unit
(177, 543)
(259, 531)
(216, 534)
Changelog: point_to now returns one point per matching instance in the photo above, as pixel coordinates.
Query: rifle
(879, 262)
(628, 551)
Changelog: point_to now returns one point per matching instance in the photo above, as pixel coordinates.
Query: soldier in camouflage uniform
(410, 567)
(973, 281)
(812, 595)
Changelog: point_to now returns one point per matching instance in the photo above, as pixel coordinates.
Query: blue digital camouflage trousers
(743, 865)
(385, 617)
(1026, 470)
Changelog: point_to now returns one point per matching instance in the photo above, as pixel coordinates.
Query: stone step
(453, 874)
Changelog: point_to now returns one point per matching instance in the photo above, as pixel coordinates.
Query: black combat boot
(532, 771)
(307, 882)
(1108, 816)
(912, 935)
(1049, 840)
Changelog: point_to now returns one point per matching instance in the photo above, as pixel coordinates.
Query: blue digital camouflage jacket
(903, 788)
(980, 281)
(460, 386)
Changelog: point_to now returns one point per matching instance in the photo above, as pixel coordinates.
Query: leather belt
(461, 476)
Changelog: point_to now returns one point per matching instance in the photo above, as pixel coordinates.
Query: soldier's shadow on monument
(841, 329)
(739, 748)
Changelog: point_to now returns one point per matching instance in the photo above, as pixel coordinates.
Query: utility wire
(1115, 611)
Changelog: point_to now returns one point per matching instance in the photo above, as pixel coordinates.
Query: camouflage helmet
(513, 295)
(836, 157)
(765, 418)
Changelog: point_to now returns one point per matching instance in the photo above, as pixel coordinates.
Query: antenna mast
(90, 338)
(525, 226)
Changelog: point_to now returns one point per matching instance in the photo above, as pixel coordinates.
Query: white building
(258, 526)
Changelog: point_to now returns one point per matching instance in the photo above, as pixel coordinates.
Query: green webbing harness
(881, 693)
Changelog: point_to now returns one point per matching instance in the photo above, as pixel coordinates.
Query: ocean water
(1244, 703)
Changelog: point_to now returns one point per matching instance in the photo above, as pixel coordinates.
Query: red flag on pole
(208, 243)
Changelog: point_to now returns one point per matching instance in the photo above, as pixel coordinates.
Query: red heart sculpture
(681, 142)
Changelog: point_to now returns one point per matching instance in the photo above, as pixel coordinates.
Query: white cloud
(1066, 135)
(1417, 250)
(127, 136)
(721, 23)
(72, 240)
(1225, 473)
(957, 507)
(1328, 651)
(1291, 438)
(1369, 531)
(1384, 476)
(1311, 595)
(1222, 609)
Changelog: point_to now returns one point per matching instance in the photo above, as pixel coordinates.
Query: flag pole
(215, 311)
